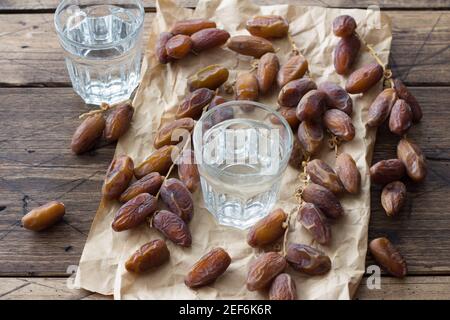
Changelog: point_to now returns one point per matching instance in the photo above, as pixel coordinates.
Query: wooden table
(39, 112)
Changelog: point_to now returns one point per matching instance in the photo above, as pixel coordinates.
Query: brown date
(178, 46)
(324, 199)
(134, 212)
(401, 117)
(266, 74)
(393, 197)
(172, 227)
(118, 122)
(192, 106)
(297, 153)
(188, 171)
(177, 198)
(88, 133)
(148, 184)
(222, 114)
(348, 173)
(388, 257)
(311, 105)
(206, 270)
(290, 115)
(161, 52)
(264, 269)
(267, 230)
(270, 26)
(43, 217)
(336, 97)
(247, 87)
(250, 45)
(312, 218)
(344, 26)
(321, 173)
(210, 77)
(293, 69)
(283, 288)
(217, 100)
(208, 38)
(340, 124)
(404, 93)
(191, 26)
(159, 161)
(167, 134)
(381, 107)
(345, 54)
(118, 177)
(293, 91)
(310, 135)
(364, 78)
(413, 159)
(148, 256)
(307, 259)
(386, 171)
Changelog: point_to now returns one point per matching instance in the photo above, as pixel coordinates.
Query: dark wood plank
(31, 56)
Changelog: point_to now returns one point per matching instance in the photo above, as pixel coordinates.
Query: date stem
(103, 108)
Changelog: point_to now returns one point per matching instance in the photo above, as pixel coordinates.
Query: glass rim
(63, 38)
(290, 138)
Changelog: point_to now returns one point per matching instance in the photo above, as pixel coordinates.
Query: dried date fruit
(310, 135)
(293, 91)
(264, 269)
(208, 38)
(345, 54)
(344, 26)
(348, 173)
(266, 74)
(393, 197)
(413, 159)
(336, 97)
(321, 173)
(247, 87)
(293, 69)
(43, 217)
(210, 77)
(148, 184)
(364, 78)
(171, 132)
(172, 227)
(219, 115)
(297, 154)
(388, 257)
(206, 270)
(88, 133)
(324, 199)
(401, 117)
(217, 100)
(386, 171)
(118, 122)
(159, 161)
(134, 212)
(188, 171)
(192, 106)
(311, 105)
(307, 259)
(177, 198)
(118, 177)
(270, 26)
(290, 114)
(161, 52)
(250, 45)
(283, 288)
(178, 46)
(381, 107)
(312, 218)
(339, 124)
(191, 26)
(267, 230)
(405, 94)
(148, 256)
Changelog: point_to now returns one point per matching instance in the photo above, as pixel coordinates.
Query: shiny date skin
(43, 217)
(252, 46)
(267, 71)
(161, 52)
(310, 135)
(118, 122)
(192, 106)
(267, 230)
(381, 107)
(292, 92)
(336, 97)
(393, 197)
(269, 26)
(264, 269)
(413, 159)
(348, 173)
(388, 257)
(159, 161)
(344, 26)
(364, 78)
(312, 218)
(134, 212)
(188, 171)
(208, 38)
(345, 54)
(118, 177)
(172, 227)
(386, 171)
(178, 199)
(166, 134)
(148, 184)
(191, 26)
(323, 198)
(283, 288)
(308, 260)
(211, 266)
(88, 133)
(321, 173)
(293, 69)
(149, 256)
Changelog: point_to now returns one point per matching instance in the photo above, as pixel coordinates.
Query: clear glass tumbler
(102, 42)
(241, 149)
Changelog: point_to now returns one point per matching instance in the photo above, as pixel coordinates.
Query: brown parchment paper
(101, 267)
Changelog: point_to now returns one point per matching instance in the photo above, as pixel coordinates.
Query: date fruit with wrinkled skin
(393, 197)
(172, 227)
(206, 270)
(293, 91)
(297, 154)
(293, 69)
(413, 159)
(364, 78)
(283, 288)
(88, 133)
(322, 174)
(188, 171)
(209, 38)
(179, 46)
(310, 135)
(252, 46)
(344, 26)
(167, 134)
(307, 259)
(148, 184)
(290, 115)
(401, 117)
(134, 212)
(118, 177)
(270, 26)
(161, 52)
(311, 105)
(219, 115)
(177, 198)
(348, 173)
(345, 54)
(210, 77)
(339, 124)
(381, 107)
(191, 26)
(312, 218)
(336, 97)
(148, 256)
(267, 230)
(386, 171)
(192, 106)
(404, 93)
(388, 257)
(118, 122)
(159, 161)
(264, 269)
(267, 71)
(324, 199)
(43, 217)
(247, 87)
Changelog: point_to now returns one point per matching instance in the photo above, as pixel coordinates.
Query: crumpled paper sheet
(101, 267)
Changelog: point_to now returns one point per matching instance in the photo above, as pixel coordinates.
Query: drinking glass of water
(241, 149)
(102, 42)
